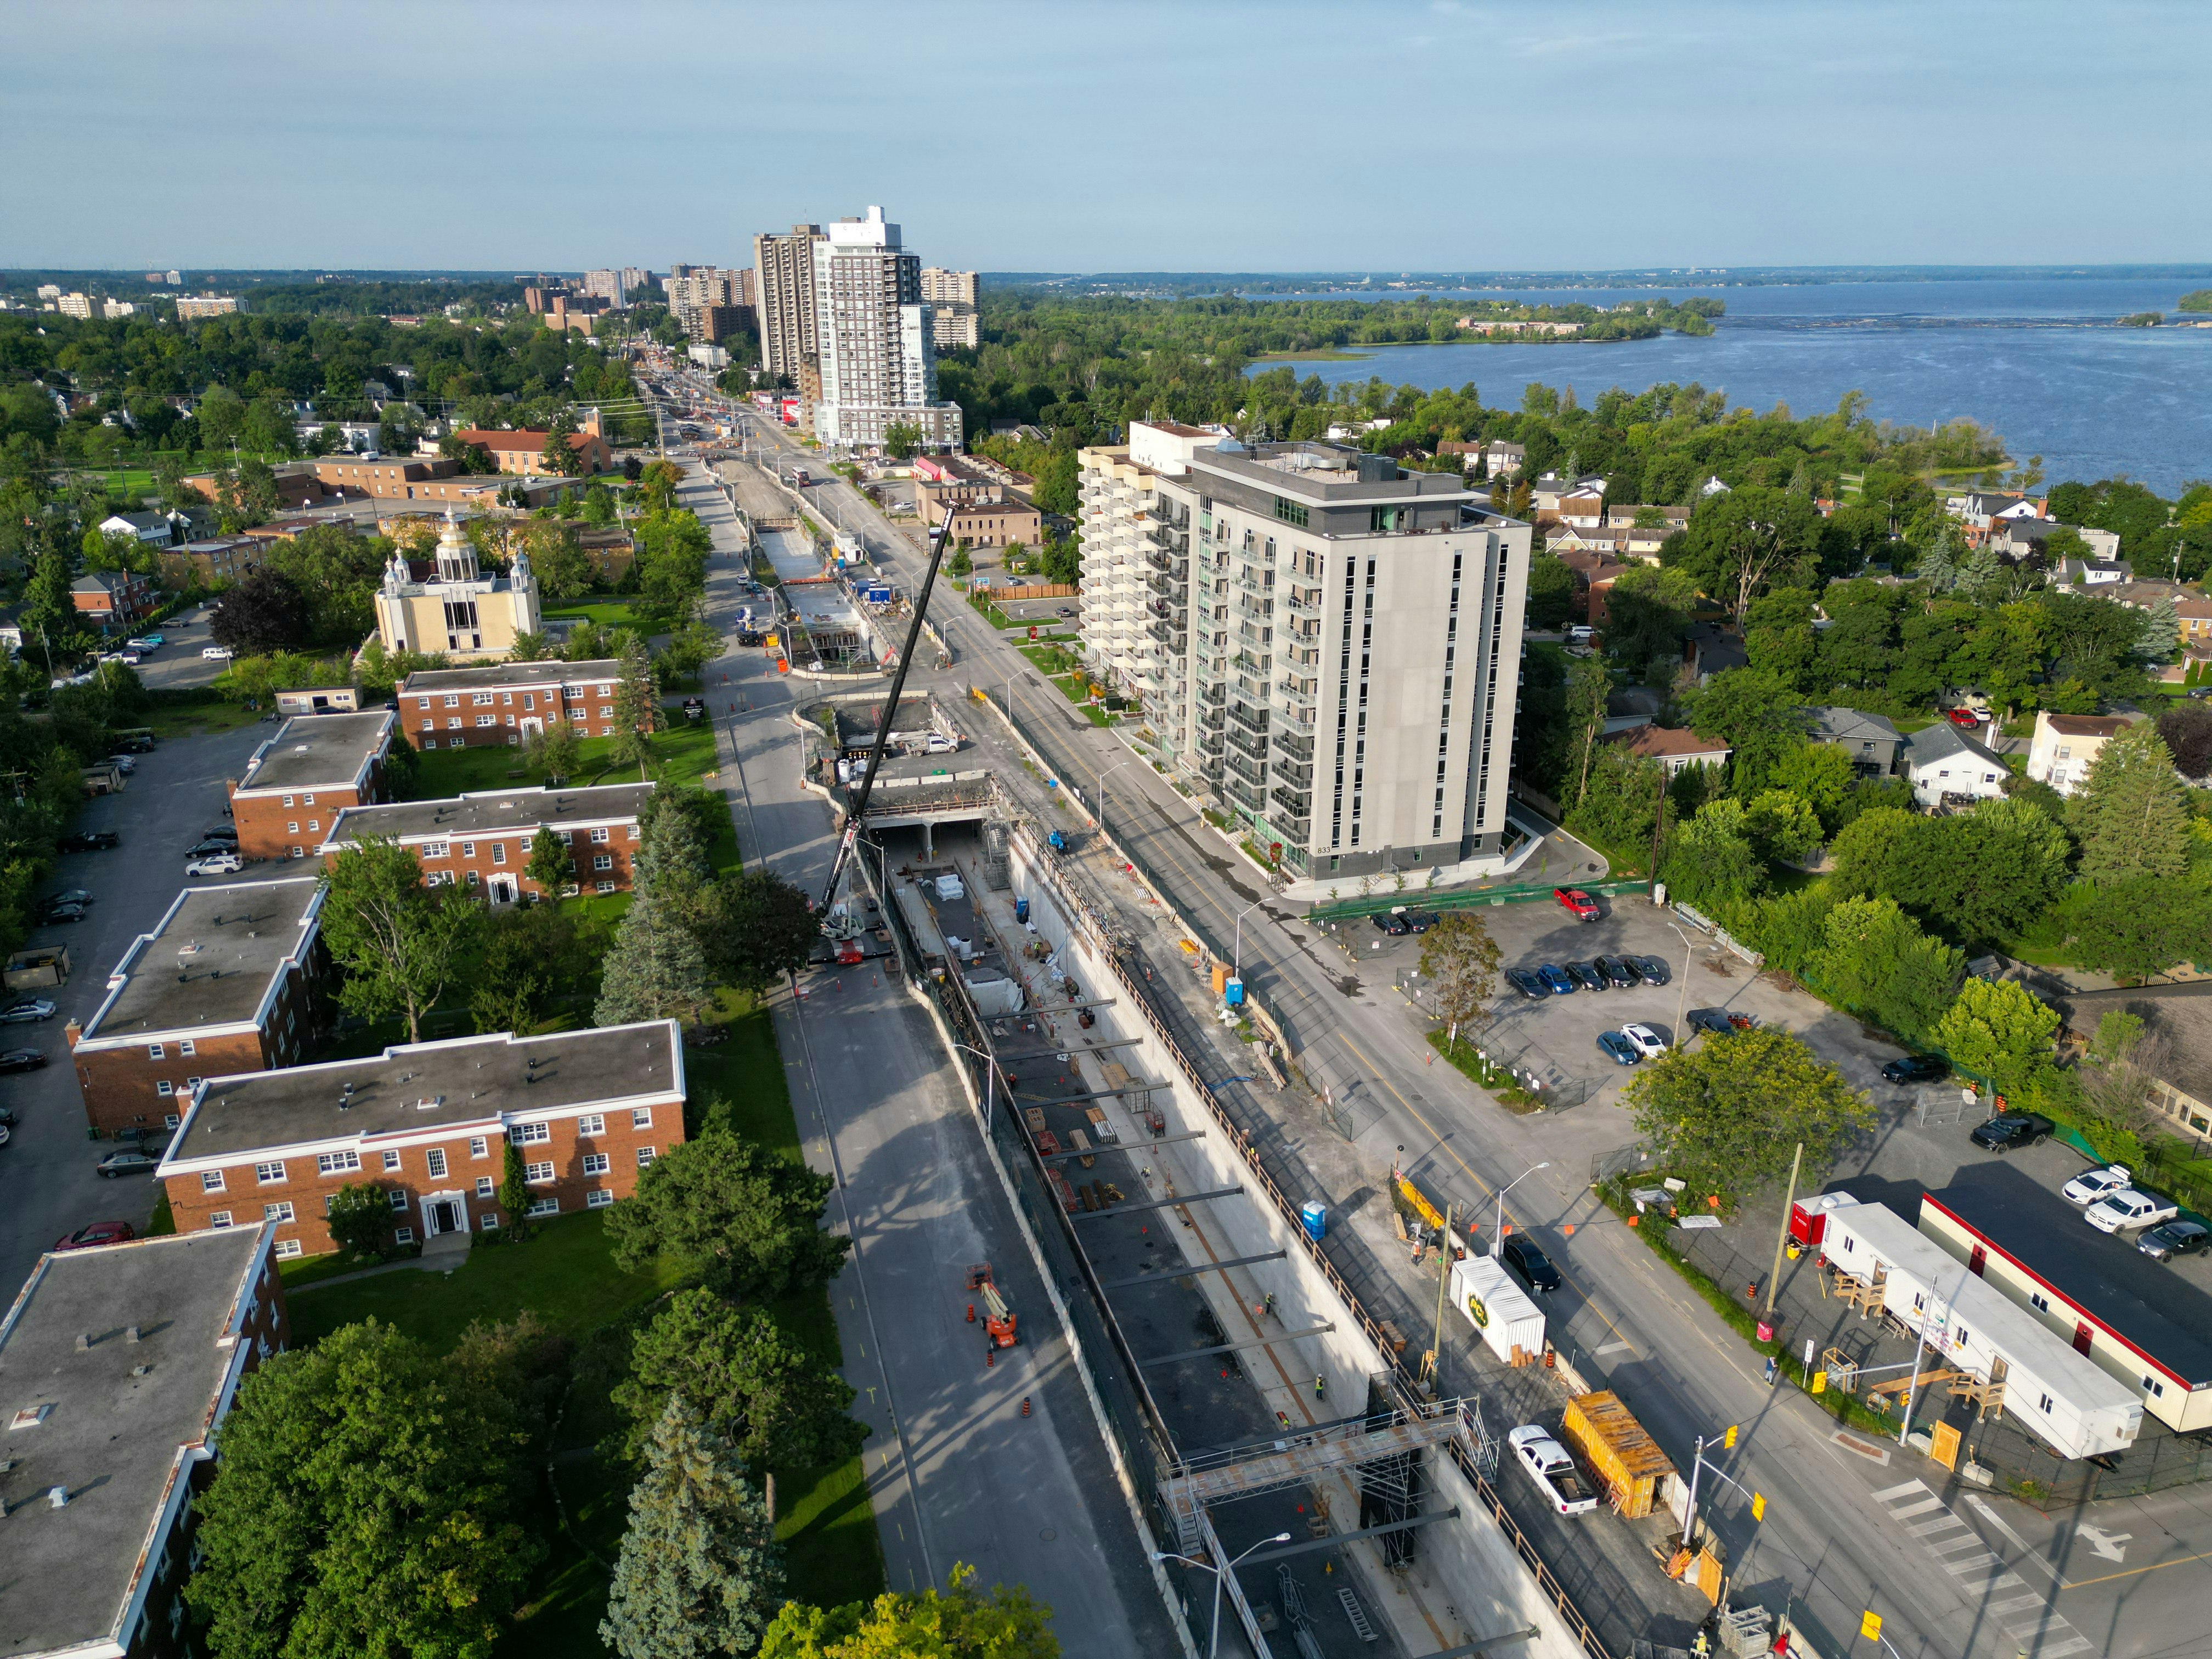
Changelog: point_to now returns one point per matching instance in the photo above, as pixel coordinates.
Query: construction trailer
(2000, 1356)
(1511, 1325)
(1614, 1444)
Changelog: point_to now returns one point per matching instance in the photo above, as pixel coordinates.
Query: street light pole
(1213, 1641)
(1682, 1000)
(1102, 776)
(1236, 966)
(1498, 1229)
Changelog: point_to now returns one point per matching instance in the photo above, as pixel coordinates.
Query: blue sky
(1414, 134)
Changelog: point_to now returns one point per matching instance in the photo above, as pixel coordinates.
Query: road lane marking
(1614, 1347)
(2025, 1619)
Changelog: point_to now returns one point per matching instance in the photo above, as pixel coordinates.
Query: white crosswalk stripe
(2034, 1626)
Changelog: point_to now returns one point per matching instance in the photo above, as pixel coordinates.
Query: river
(2037, 359)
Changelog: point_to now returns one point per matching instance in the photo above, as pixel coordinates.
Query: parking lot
(177, 665)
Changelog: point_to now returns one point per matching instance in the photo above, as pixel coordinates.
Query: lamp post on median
(1498, 1227)
(1213, 1641)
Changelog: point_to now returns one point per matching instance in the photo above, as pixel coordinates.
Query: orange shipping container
(1614, 1444)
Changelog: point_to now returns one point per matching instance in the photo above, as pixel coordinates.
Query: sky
(1076, 136)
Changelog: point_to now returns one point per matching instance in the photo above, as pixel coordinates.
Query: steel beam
(1156, 1204)
(1238, 1347)
(1189, 1273)
(1116, 1146)
(1336, 1538)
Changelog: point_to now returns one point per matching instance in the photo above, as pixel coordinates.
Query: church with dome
(459, 612)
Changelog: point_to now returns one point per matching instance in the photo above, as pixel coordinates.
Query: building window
(486, 1187)
(468, 849)
(598, 1198)
(402, 1235)
(170, 1120)
(268, 1174)
(2156, 1387)
(544, 1206)
(391, 1162)
(165, 1088)
(479, 1147)
(153, 1051)
(488, 1222)
(499, 852)
(2043, 1404)
(429, 742)
(307, 800)
(2040, 1302)
(592, 1124)
(598, 836)
(640, 1117)
(644, 1156)
(288, 800)
(534, 1173)
(1289, 513)
(398, 1198)
(603, 887)
(453, 701)
(633, 832)
(453, 723)
(595, 1164)
(530, 1134)
(436, 1157)
(287, 1248)
(210, 1181)
(293, 828)
(474, 881)
(603, 861)
(482, 699)
(186, 1049)
(338, 1163)
(219, 1219)
(278, 1211)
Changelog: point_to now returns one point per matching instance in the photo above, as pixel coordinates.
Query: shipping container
(1510, 1324)
(1614, 1443)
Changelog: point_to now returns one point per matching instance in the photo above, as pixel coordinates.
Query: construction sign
(1870, 1627)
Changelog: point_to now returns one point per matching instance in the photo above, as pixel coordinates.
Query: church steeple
(457, 556)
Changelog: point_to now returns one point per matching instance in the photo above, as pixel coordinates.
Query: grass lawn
(1322, 355)
(608, 613)
(174, 722)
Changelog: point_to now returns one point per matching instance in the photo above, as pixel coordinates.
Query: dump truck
(1614, 1443)
(999, 1322)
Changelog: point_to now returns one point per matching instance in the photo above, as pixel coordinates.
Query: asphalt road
(956, 1472)
(1831, 1541)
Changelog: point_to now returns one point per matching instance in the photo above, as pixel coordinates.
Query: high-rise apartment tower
(784, 298)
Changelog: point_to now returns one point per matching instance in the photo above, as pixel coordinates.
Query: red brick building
(228, 981)
(111, 600)
(302, 778)
(117, 1368)
(390, 478)
(482, 840)
(430, 1123)
(524, 451)
(503, 702)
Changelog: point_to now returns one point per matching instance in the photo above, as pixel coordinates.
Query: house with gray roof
(1870, 740)
(1950, 769)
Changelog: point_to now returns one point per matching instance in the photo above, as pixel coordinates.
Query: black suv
(1916, 1068)
(1653, 968)
(2013, 1131)
(91, 841)
(1618, 972)
(1533, 1266)
(1421, 920)
(1394, 925)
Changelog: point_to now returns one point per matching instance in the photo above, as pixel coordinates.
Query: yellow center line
(2136, 1572)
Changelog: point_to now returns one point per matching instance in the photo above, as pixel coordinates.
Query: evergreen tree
(637, 706)
(552, 866)
(1981, 574)
(46, 602)
(1939, 561)
(2161, 632)
(700, 1572)
(656, 969)
(2131, 812)
(514, 1191)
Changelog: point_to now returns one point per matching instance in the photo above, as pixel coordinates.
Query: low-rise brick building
(995, 523)
(482, 840)
(504, 702)
(524, 450)
(301, 779)
(387, 477)
(117, 1367)
(429, 1123)
(111, 600)
(228, 981)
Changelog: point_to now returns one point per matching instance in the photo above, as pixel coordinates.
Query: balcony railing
(1250, 745)
(1294, 745)
(1252, 719)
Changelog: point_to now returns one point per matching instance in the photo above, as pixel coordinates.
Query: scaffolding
(994, 855)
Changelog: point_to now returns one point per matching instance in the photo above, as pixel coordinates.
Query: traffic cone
(1025, 1405)
(990, 1358)
(971, 1313)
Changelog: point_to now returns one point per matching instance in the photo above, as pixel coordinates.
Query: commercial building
(313, 769)
(209, 563)
(784, 294)
(523, 452)
(117, 1368)
(501, 703)
(943, 481)
(75, 305)
(225, 981)
(430, 1123)
(1340, 647)
(2066, 745)
(482, 842)
(873, 339)
(460, 612)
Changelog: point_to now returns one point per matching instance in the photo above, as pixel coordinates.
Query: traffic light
(1759, 1506)
(1728, 1439)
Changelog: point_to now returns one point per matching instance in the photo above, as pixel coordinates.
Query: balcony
(1252, 746)
(1167, 634)
(1252, 719)
(1293, 827)
(1213, 693)
(1167, 540)
(1210, 745)
(1294, 745)
(1293, 775)
(1251, 771)
(1247, 796)
(1301, 607)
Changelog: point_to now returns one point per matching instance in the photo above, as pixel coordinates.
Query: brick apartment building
(302, 778)
(995, 523)
(429, 1122)
(117, 1367)
(524, 451)
(482, 842)
(387, 478)
(111, 600)
(228, 981)
(503, 703)
(211, 562)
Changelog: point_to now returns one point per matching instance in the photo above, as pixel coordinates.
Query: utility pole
(1774, 1274)
(1444, 1279)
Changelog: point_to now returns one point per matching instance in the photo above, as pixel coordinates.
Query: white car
(1647, 1041)
(215, 863)
(217, 653)
(2098, 1183)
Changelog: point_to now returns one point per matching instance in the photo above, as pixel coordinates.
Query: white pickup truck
(2130, 1208)
(1546, 1463)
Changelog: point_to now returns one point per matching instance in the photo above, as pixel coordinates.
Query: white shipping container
(1499, 1309)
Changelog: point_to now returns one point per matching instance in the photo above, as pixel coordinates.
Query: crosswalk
(1948, 1546)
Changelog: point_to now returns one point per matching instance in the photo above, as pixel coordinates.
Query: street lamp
(1102, 776)
(1498, 1230)
(991, 1068)
(1213, 1641)
(1682, 1000)
(1238, 953)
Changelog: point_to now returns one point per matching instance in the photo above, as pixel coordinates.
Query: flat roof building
(298, 781)
(227, 982)
(482, 842)
(118, 1366)
(501, 703)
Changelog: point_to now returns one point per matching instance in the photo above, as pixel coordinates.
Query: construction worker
(1320, 1385)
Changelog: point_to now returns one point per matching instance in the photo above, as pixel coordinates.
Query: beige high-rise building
(877, 350)
(784, 298)
(940, 287)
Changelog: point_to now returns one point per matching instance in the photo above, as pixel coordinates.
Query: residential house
(2088, 575)
(1950, 769)
(1985, 510)
(2064, 745)
(227, 982)
(430, 1123)
(1551, 489)
(1594, 575)
(483, 840)
(1870, 740)
(1675, 748)
(151, 528)
(501, 703)
(302, 778)
(118, 1366)
(1709, 649)
(112, 600)
(523, 452)
(2025, 537)
(2192, 611)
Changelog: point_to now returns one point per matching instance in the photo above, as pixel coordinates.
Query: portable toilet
(1021, 910)
(1232, 992)
(1314, 1218)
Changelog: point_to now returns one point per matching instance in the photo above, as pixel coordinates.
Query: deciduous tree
(742, 1221)
(1874, 960)
(399, 942)
(265, 611)
(1727, 1114)
(957, 1624)
(760, 930)
(2138, 928)
(2000, 1031)
(1459, 959)
(1711, 860)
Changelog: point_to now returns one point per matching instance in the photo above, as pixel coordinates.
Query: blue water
(2034, 358)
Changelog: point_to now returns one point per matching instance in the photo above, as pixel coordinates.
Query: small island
(2196, 300)
(2143, 319)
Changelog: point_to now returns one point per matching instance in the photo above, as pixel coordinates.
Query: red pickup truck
(1573, 898)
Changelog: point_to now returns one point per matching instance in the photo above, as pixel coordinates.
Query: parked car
(1556, 981)
(19, 1060)
(215, 863)
(2012, 1131)
(1586, 975)
(150, 642)
(1421, 920)
(2174, 1238)
(101, 1232)
(1530, 1263)
(1544, 1461)
(131, 1160)
(24, 1011)
(2093, 1184)
(70, 896)
(1394, 925)
(143, 744)
(52, 914)
(1714, 1021)
(1617, 972)
(1654, 969)
(122, 763)
(90, 841)
(1528, 984)
(221, 832)
(1965, 717)
(2129, 1208)
(1617, 1048)
(1917, 1069)
(1648, 1042)
(212, 845)
(1574, 899)
(217, 653)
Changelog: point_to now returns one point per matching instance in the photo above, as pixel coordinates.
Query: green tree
(740, 1220)
(637, 707)
(1821, 774)
(957, 1624)
(2137, 929)
(551, 867)
(1459, 959)
(902, 438)
(1783, 825)
(1983, 875)
(1620, 804)
(776, 1403)
(960, 564)
(514, 1191)
(1739, 542)
(760, 930)
(656, 969)
(366, 1502)
(1551, 591)
(2000, 1031)
(1874, 960)
(221, 415)
(1757, 716)
(360, 1219)
(1790, 929)
(263, 611)
(1726, 1115)
(1711, 862)
(701, 1573)
(556, 750)
(2131, 812)
(400, 943)
(1870, 852)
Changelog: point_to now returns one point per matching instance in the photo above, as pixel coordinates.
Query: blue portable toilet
(1315, 1219)
(1233, 993)
(1021, 910)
